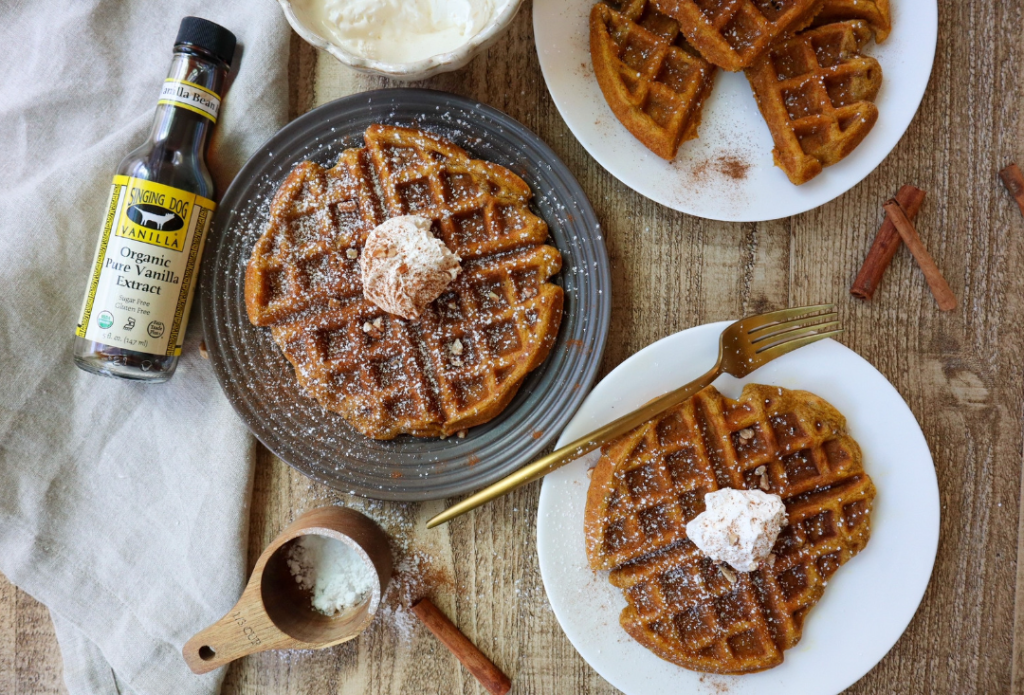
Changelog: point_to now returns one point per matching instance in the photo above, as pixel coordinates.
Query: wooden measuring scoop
(274, 612)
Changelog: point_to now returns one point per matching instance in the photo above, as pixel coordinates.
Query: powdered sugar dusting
(260, 380)
(338, 577)
(418, 570)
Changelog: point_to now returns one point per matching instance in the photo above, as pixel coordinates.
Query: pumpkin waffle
(654, 82)
(462, 363)
(816, 90)
(874, 12)
(650, 483)
(733, 33)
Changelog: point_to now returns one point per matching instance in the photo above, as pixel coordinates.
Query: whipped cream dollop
(405, 267)
(398, 31)
(738, 526)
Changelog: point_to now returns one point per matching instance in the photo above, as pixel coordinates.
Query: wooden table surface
(962, 374)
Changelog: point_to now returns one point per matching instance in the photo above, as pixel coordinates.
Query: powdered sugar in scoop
(738, 526)
(338, 577)
(405, 267)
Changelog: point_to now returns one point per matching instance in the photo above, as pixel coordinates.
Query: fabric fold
(123, 506)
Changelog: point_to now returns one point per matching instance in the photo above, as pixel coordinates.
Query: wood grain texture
(29, 657)
(482, 668)
(962, 373)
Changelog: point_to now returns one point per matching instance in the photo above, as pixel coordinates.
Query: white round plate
(868, 602)
(733, 134)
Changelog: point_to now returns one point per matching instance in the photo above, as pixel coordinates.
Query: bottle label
(144, 274)
(189, 95)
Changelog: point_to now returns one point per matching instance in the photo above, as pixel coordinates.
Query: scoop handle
(245, 629)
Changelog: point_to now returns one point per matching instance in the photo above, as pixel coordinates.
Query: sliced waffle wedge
(874, 12)
(815, 91)
(462, 363)
(654, 82)
(733, 33)
(651, 483)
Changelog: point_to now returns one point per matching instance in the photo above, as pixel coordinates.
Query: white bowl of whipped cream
(407, 39)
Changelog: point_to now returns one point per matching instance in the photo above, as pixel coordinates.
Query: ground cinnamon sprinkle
(727, 165)
(733, 167)
(718, 685)
(415, 577)
(430, 577)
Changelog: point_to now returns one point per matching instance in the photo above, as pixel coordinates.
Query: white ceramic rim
(911, 46)
(593, 627)
(442, 62)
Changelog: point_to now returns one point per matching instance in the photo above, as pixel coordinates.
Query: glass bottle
(136, 307)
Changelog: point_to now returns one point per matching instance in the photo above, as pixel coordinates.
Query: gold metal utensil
(744, 346)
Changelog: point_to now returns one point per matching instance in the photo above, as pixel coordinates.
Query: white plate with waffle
(869, 601)
(727, 173)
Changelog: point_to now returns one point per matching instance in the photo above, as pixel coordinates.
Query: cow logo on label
(155, 217)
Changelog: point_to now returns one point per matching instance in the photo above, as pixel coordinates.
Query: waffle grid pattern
(652, 482)
(815, 91)
(385, 375)
(732, 33)
(875, 12)
(653, 80)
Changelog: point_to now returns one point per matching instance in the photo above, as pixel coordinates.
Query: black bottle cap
(202, 33)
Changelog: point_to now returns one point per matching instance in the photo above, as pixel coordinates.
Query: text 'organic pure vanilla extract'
(140, 291)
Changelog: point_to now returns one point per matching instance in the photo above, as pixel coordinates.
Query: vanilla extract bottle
(136, 307)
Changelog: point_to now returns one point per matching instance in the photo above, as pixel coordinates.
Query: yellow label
(190, 96)
(143, 279)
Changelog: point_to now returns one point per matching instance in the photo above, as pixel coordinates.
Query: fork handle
(572, 451)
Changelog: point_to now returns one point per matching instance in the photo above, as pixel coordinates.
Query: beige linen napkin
(123, 507)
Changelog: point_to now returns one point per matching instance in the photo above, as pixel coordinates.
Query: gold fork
(744, 346)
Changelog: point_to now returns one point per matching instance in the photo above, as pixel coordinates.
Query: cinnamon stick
(465, 651)
(887, 242)
(940, 288)
(1014, 182)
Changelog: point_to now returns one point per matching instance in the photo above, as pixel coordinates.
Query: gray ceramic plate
(259, 381)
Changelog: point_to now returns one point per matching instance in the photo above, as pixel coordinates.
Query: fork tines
(789, 329)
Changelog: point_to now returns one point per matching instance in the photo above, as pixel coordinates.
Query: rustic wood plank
(962, 375)
(954, 370)
(37, 663)
(8, 635)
